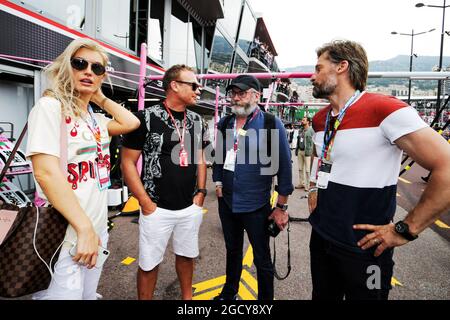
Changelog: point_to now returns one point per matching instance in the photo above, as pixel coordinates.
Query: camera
(273, 228)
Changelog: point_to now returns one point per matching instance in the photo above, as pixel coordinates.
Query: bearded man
(359, 140)
(243, 184)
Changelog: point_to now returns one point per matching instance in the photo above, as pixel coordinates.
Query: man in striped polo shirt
(359, 140)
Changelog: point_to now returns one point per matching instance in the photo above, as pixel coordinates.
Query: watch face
(403, 229)
(400, 227)
(204, 191)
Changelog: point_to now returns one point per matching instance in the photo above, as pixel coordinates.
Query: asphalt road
(422, 269)
(421, 272)
(410, 189)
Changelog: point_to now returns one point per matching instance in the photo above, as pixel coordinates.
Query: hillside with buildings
(388, 86)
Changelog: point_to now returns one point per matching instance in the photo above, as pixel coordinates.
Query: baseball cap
(245, 82)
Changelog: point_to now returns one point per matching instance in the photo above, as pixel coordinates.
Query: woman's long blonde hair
(61, 76)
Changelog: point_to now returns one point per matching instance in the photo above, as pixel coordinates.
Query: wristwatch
(204, 191)
(283, 207)
(402, 229)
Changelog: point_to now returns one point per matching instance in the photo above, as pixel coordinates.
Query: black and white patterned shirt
(166, 182)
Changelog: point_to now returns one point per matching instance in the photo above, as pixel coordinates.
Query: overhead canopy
(206, 12)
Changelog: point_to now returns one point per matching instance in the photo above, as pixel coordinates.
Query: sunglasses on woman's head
(81, 64)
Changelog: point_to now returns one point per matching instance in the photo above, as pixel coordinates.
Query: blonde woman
(80, 192)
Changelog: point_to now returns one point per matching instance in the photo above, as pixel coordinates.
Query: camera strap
(275, 273)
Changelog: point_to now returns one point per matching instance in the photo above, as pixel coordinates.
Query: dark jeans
(255, 223)
(338, 273)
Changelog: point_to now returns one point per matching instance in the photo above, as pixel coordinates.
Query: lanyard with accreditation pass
(102, 172)
(183, 153)
(230, 158)
(324, 163)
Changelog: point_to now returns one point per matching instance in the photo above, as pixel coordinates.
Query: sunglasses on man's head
(81, 64)
(194, 85)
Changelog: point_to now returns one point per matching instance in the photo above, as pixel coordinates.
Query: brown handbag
(22, 271)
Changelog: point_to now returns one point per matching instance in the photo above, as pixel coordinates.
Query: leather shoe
(225, 298)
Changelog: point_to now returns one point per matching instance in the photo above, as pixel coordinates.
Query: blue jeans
(233, 226)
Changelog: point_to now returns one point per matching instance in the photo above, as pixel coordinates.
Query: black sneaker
(225, 297)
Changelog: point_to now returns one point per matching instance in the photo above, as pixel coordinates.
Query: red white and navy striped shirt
(366, 164)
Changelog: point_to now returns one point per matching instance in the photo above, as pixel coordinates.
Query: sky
(299, 27)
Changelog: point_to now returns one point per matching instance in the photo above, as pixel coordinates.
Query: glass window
(69, 12)
(116, 17)
(140, 25)
(197, 31)
(221, 54)
(156, 29)
(191, 59)
(247, 30)
(231, 12)
(178, 34)
(209, 37)
(240, 66)
(222, 83)
(208, 96)
(182, 47)
(275, 66)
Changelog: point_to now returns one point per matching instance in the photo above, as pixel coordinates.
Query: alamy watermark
(374, 280)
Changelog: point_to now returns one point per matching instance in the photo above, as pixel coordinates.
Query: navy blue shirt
(248, 188)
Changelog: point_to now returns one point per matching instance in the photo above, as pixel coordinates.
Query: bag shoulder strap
(269, 120)
(13, 153)
(269, 125)
(63, 146)
(224, 125)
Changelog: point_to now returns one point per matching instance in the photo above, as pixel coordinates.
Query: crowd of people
(284, 87)
(294, 97)
(261, 51)
(349, 158)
